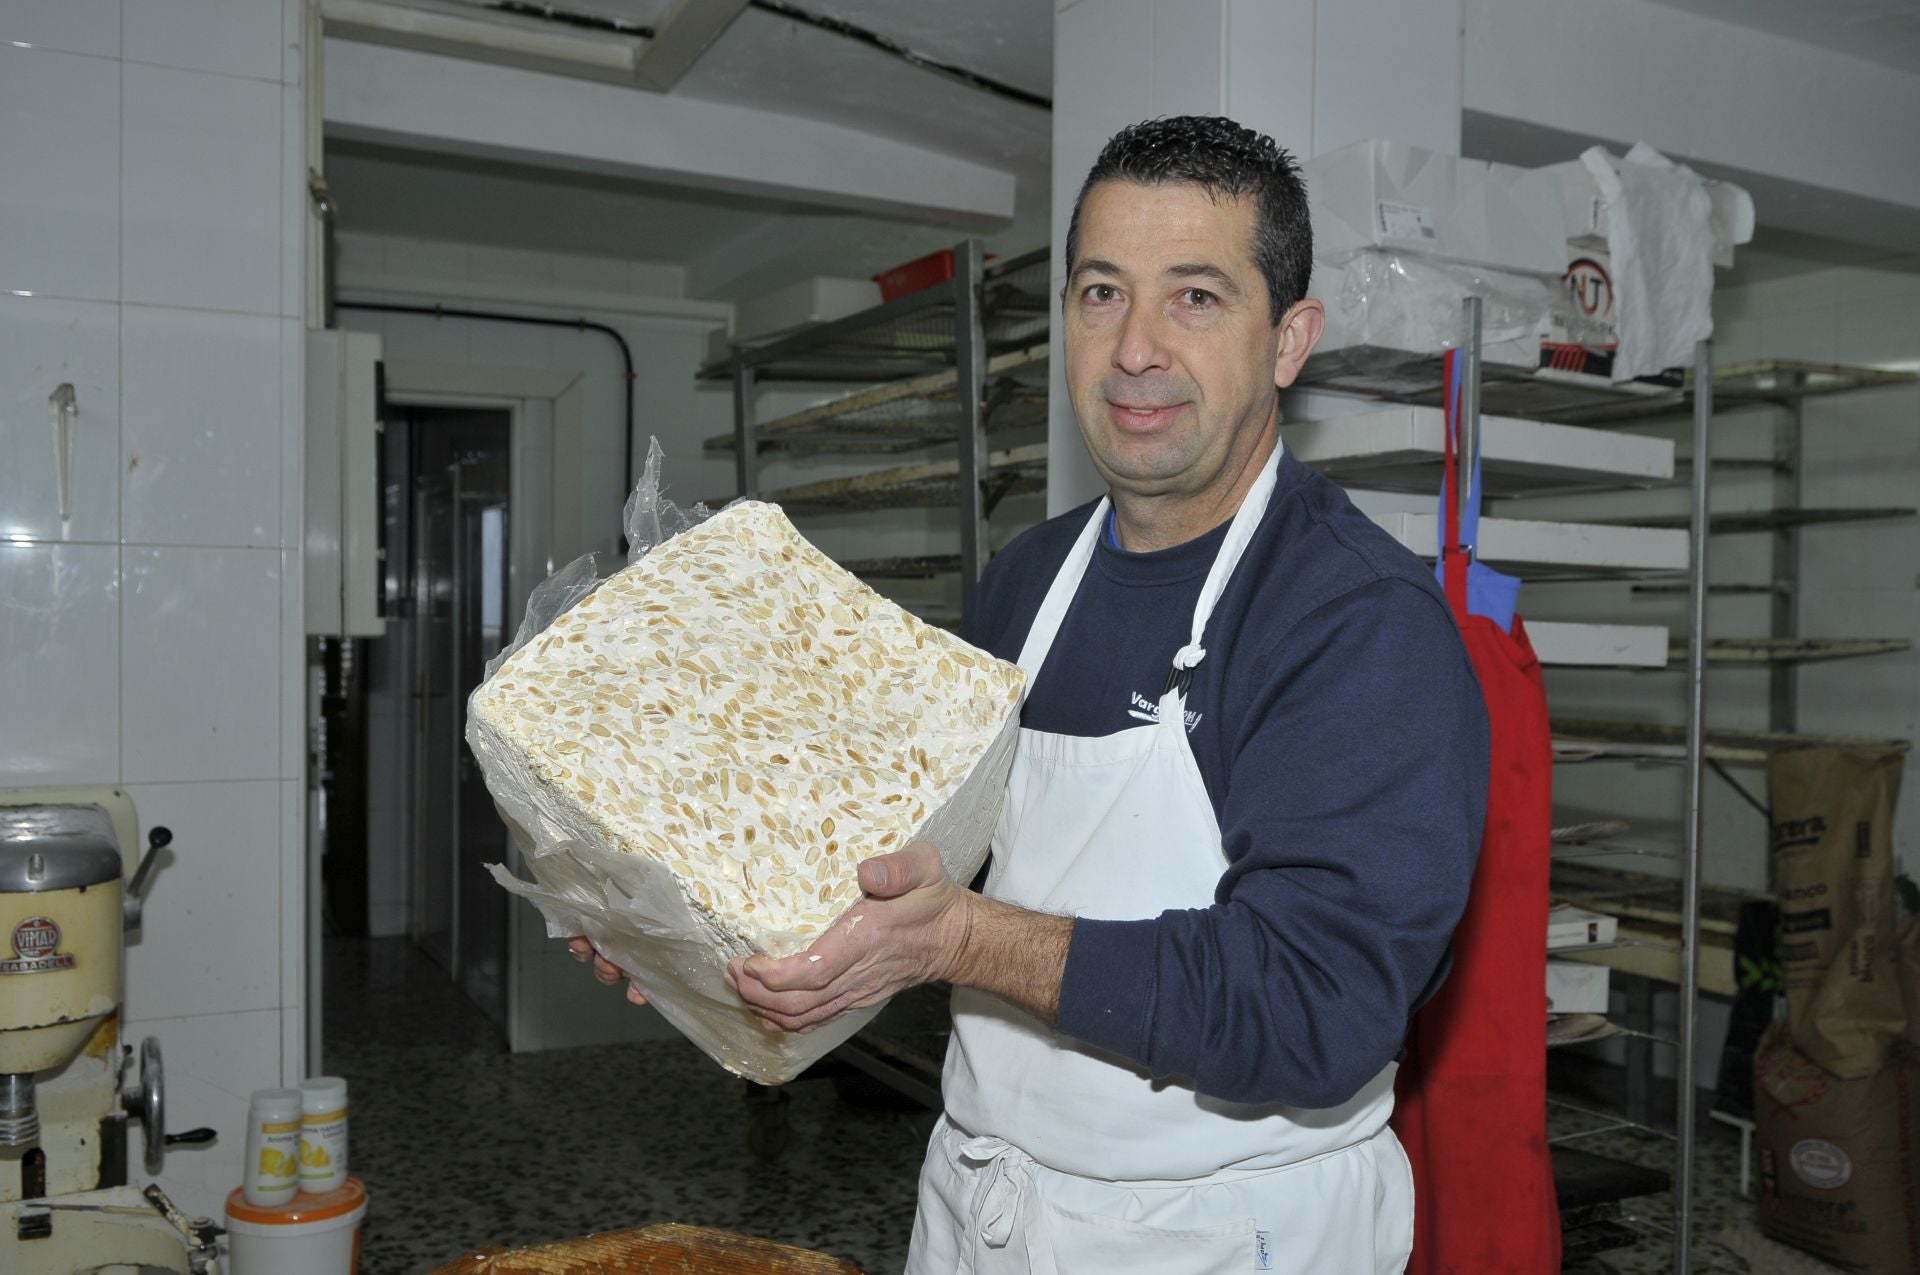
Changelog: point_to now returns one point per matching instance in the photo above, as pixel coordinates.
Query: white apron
(1113, 1172)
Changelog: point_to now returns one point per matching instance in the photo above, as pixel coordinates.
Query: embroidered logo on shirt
(1149, 711)
(1262, 1251)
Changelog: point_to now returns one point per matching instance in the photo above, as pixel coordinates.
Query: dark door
(459, 545)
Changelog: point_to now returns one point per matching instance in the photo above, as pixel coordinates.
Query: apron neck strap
(1246, 520)
(1053, 608)
(1066, 582)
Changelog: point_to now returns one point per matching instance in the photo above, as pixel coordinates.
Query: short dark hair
(1222, 158)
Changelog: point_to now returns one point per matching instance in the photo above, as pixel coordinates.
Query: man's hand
(603, 969)
(915, 926)
(911, 928)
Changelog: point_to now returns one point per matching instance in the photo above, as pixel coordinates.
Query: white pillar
(1314, 74)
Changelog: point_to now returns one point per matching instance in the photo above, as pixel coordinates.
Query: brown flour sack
(697, 755)
(1833, 868)
(1837, 1158)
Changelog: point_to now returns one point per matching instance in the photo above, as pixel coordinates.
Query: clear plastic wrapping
(593, 873)
(1405, 303)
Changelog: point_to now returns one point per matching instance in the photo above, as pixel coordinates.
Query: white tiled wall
(151, 224)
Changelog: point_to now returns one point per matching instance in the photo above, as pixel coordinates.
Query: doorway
(450, 511)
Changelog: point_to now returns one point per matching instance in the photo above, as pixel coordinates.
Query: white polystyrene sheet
(1403, 446)
(1599, 645)
(1545, 548)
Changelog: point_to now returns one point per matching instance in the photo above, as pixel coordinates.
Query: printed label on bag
(1404, 221)
(1819, 1163)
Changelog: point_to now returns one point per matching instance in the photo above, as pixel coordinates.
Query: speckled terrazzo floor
(463, 1144)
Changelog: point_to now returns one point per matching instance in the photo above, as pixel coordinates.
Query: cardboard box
(1568, 926)
(1575, 987)
(1379, 194)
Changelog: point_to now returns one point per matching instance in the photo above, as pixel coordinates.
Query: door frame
(538, 544)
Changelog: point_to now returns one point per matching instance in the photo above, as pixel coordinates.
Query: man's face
(1172, 356)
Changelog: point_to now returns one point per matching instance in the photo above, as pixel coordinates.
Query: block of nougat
(697, 756)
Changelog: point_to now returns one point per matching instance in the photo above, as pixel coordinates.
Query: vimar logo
(36, 948)
(1149, 711)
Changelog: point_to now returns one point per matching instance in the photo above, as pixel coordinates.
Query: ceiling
(772, 63)
(1884, 31)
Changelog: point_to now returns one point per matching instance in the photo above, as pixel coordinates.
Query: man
(1244, 809)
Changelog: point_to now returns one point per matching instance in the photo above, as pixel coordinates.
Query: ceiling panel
(772, 63)
(396, 192)
(1007, 40)
(1885, 31)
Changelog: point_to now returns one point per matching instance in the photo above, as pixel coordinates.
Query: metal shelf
(921, 567)
(1778, 588)
(1582, 738)
(906, 415)
(913, 335)
(1583, 1029)
(1765, 381)
(1782, 380)
(1766, 651)
(1730, 524)
(1404, 376)
(935, 483)
(1645, 896)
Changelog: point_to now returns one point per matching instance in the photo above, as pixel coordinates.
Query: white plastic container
(323, 1134)
(273, 1148)
(316, 1235)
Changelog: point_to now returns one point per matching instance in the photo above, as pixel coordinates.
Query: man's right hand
(603, 969)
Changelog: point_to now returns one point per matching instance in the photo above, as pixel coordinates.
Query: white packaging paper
(1388, 195)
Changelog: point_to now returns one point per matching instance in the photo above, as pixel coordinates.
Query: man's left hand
(911, 928)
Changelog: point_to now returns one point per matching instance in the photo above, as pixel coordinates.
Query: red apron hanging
(1470, 1099)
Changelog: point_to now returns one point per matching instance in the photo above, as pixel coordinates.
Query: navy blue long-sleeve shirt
(1342, 737)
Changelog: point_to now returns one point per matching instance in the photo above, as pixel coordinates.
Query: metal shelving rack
(1665, 946)
(944, 367)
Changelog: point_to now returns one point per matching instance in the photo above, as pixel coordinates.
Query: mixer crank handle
(158, 839)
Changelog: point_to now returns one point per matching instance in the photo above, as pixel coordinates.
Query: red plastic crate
(921, 272)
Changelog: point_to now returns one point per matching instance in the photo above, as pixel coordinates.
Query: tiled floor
(462, 1144)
